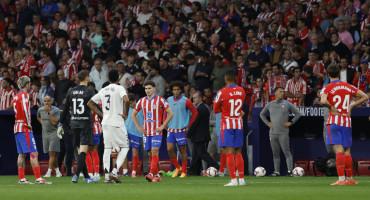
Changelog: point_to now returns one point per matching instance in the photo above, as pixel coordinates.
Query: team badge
(149, 115)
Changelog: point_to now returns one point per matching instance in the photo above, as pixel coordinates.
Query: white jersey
(111, 98)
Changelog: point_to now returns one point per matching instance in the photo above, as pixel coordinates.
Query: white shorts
(115, 137)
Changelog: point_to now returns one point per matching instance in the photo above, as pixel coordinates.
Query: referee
(81, 122)
(279, 128)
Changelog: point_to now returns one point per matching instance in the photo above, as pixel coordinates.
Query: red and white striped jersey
(33, 97)
(70, 68)
(303, 35)
(265, 15)
(339, 95)
(230, 101)
(37, 30)
(364, 23)
(296, 87)
(73, 26)
(6, 98)
(153, 111)
(135, 9)
(50, 44)
(76, 55)
(28, 63)
(119, 33)
(8, 53)
(317, 67)
(96, 124)
(21, 106)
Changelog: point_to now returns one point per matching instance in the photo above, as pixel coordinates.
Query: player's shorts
(115, 136)
(231, 138)
(179, 138)
(25, 142)
(83, 136)
(213, 146)
(339, 135)
(135, 141)
(51, 144)
(152, 142)
(97, 138)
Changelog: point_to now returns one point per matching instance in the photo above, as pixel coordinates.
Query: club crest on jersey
(149, 115)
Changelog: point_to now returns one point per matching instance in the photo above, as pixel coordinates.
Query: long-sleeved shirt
(99, 78)
(279, 114)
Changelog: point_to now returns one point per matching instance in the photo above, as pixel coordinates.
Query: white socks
(120, 159)
(106, 162)
(49, 171)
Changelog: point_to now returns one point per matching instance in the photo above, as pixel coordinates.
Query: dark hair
(277, 65)
(47, 80)
(179, 84)
(230, 75)
(113, 75)
(27, 48)
(82, 75)
(92, 84)
(277, 88)
(131, 97)
(151, 83)
(333, 71)
(154, 65)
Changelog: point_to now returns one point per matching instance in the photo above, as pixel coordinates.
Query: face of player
(176, 91)
(279, 94)
(149, 90)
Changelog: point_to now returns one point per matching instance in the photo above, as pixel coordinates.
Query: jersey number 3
(235, 105)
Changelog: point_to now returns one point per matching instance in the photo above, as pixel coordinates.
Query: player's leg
(336, 139)
(171, 141)
(230, 151)
(89, 162)
(54, 149)
(21, 167)
(348, 163)
(120, 139)
(107, 152)
(184, 160)
(285, 146)
(275, 146)
(95, 159)
(135, 161)
(239, 161)
(52, 159)
(84, 137)
(46, 148)
(156, 144)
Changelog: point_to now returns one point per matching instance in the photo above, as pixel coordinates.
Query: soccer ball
(298, 172)
(330, 162)
(116, 150)
(259, 171)
(211, 172)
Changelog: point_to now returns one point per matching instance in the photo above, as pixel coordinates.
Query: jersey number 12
(235, 105)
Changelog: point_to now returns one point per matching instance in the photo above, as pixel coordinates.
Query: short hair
(277, 65)
(22, 81)
(277, 88)
(200, 94)
(151, 83)
(179, 84)
(230, 75)
(92, 84)
(82, 75)
(131, 97)
(26, 47)
(333, 71)
(113, 75)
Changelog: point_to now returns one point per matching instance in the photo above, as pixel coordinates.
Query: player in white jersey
(115, 136)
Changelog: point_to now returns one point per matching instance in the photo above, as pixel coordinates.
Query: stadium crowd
(287, 43)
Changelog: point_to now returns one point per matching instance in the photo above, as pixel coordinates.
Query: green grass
(190, 188)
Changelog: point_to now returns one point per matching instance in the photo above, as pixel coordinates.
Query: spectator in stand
(296, 88)
(258, 98)
(341, 49)
(49, 10)
(346, 74)
(345, 36)
(362, 77)
(315, 45)
(278, 79)
(202, 72)
(317, 66)
(288, 61)
(62, 85)
(48, 66)
(124, 77)
(267, 44)
(276, 54)
(256, 59)
(209, 97)
(154, 75)
(190, 61)
(28, 62)
(34, 94)
(166, 69)
(45, 90)
(99, 75)
(137, 87)
(70, 65)
(218, 73)
(131, 67)
(144, 15)
(7, 94)
(24, 16)
(61, 46)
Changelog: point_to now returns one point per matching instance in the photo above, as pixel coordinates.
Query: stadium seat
(312, 169)
(363, 167)
(139, 171)
(304, 163)
(165, 165)
(44, 164)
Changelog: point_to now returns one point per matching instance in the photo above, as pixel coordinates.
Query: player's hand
(141, 130)
(47, 109)
(270, 124)
(334, 111)
(60, 131)
(29, 127)
(123, 116)
(159, 129)
(287, 124)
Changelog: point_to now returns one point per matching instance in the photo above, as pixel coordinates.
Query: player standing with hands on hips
(23, 133)
(113, 97)
(229, 101)
(337, 97)
(81, 123)
(279, 128)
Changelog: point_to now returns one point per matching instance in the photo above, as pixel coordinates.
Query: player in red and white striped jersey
(296, 88)
(70, 66)
(7, 94)
(28, 62)
(153, 107)
(92, 157)
(337, 96)
(229, 101)
(23, 132)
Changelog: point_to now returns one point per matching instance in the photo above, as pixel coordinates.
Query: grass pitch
(190, 188)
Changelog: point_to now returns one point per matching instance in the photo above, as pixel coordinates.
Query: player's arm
(193, 110)
(92, 104)
(217, 103)
(362, 98)
(134, 119)
(297, 115)
(324, 101)
(165, 123)
(38, 116)
(126, 106)
(53, 120)
(263, 115)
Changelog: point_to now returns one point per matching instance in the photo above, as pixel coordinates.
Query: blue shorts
(25, 142)
(339, 135)
(152, 142)
(231, 138)
(97, 138)
(179, 138)
(134, 141)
